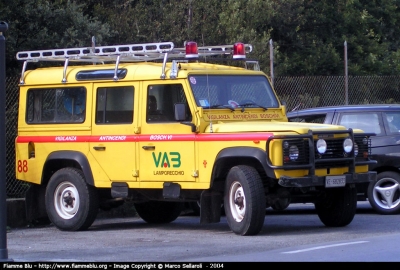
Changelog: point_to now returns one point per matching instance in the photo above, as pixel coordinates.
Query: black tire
(195, 206)
(283, 201)
(384, 194)
(159, 212)
(244, 200)
(280, 206)
(71, 204)
(338, 208)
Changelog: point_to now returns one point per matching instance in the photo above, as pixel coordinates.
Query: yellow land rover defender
(162, 126)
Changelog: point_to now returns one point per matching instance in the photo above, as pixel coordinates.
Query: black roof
(363, 107)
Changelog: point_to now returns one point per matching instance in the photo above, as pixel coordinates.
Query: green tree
(248, 22)
(317, 48)
(41, 24)
(308, 36)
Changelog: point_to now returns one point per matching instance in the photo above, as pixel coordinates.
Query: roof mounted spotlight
(191, 50)
(239, 51)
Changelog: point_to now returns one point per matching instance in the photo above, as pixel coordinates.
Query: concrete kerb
(16, 212)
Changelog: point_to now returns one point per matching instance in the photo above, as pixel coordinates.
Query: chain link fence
(319, 91)
(14, 188)
(297, 92)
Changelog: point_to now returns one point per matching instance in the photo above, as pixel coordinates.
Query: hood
(257, 126)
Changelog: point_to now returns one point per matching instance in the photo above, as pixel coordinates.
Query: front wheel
(244, 200)
(384, 194)
(71, 203)
(338, 207)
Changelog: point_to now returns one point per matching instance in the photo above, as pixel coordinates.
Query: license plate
(335, 181)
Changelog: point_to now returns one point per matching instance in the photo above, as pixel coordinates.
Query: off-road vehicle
(384, 121)
(162, 126)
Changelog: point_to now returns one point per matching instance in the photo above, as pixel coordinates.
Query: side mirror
(180, 115)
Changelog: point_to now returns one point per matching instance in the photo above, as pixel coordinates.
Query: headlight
(321, 146)
(355, 149)
(293, 153)
(347, 145)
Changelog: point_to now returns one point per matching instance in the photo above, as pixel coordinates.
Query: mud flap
(35, 203)
(210, 207)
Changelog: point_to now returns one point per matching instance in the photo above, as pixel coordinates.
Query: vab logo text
(166, 160)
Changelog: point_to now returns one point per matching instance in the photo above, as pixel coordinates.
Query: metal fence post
(346, 76)
(271, 61)
(3, 199)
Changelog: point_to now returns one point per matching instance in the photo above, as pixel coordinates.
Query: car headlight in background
(365, 141)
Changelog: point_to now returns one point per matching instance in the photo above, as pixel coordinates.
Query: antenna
(208, 92)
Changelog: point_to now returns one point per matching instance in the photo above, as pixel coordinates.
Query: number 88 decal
(22, 166)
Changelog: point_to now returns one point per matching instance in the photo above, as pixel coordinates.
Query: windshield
(233, 91)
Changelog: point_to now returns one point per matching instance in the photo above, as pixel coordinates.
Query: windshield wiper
(222, 106)
(249, 104)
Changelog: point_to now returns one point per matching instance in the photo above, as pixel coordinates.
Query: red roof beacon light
(239, 51)
(191, 50)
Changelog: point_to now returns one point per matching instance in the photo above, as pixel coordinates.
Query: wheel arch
(230, 157)
(386, 169)
(35, 196)
(66, 158)
(385, 163)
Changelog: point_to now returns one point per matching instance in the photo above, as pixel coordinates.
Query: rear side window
(368, 122)
(316, 118)
(56, 105)
(114, 105)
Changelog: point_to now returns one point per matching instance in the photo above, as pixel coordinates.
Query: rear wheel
(244, 200)
(384, 194)
(195, 206)
(71, 203)
(283, 201)
(159, 212)
(338, 208)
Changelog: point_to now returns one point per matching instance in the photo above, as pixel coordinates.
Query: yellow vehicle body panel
(148, 123)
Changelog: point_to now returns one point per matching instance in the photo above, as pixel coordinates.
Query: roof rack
(129, 52)
(120, 53)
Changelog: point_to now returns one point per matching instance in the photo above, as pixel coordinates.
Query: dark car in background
(384, 121)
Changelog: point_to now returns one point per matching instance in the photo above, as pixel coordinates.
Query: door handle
(99, 148)
(146, 147)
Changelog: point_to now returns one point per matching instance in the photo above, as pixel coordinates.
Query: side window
(161, 99)
(320, 118)
(56, 105)
(368, 122)
(393, 121)
(114, 105)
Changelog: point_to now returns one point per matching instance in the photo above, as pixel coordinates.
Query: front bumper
(314, 181)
